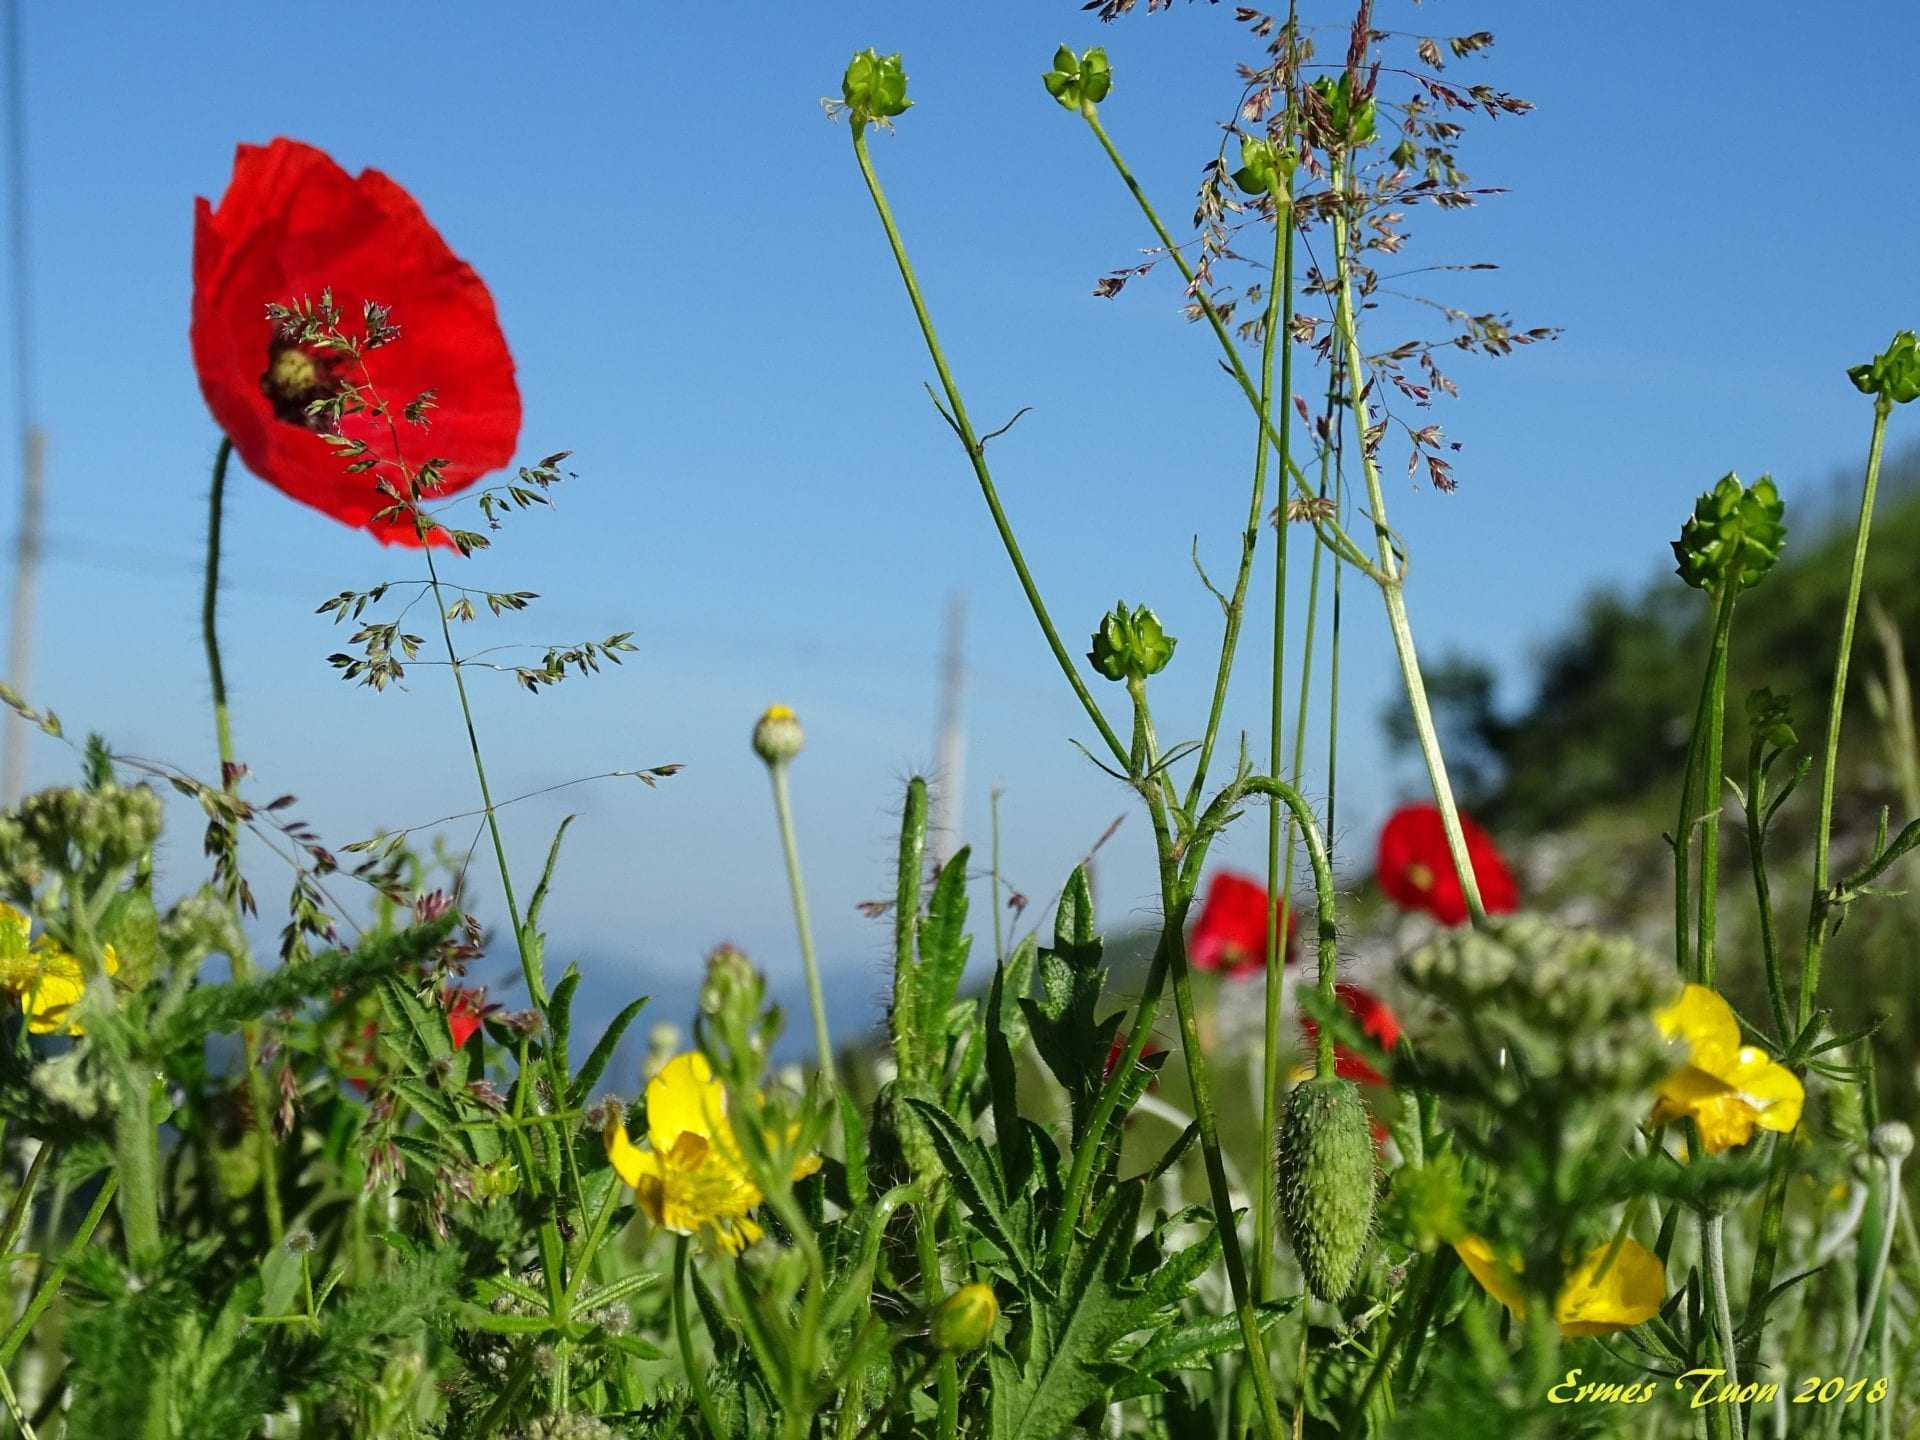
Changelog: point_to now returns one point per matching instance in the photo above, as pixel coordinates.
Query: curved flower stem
(1174, 897)
(1393, 586)
(977, 452)
(209, 607)
(242, 960)
(683, 1333)
(816, 998)
(1280, 317)
(1836, 703)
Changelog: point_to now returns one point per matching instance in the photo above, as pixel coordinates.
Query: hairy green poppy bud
(777, 737)
(1733, 536)
(1894, 374)
(875, 87)
(1325, 1172)
(1079, 82)
(1130, 645)
(1264, 166)
(964, 1320)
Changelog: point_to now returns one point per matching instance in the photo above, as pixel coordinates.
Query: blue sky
(1711, 202)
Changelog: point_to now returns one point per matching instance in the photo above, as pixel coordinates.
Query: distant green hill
(1616, 689)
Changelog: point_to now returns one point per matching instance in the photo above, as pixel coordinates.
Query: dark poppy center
(297, 376)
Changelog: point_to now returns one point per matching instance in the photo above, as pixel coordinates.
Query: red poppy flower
(292, 225)
(1416, 870)
(1119, 1048)
(1231, 934)
(465, 1009)
(1377, 1023)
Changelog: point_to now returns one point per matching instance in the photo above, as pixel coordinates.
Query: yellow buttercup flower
(46, 980)
(1599, 1297)
(1728, 1088)
(691, 1177)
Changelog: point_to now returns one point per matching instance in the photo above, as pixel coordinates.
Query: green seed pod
(1733, 536)
(1325, 1172)
(1130, 644)
(1079, 82)
(1894, 374)
(874, 87)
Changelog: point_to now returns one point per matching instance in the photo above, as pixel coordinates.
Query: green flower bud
(875, 87)
(1894, 374)
(733, 989)
(1733, 536)
(964, 1320)
(1264, 167)
(495, 1181)
(1130, 645)
(1325, 1165)
(1430, 1202)
(777, 737)
(1079, 82)
(1770, 716)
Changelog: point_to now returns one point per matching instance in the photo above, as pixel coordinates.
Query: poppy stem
(241, 960)
(209, 606)
(1836, 704)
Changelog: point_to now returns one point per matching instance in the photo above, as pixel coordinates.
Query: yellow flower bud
(777, 737)
(964, 1320)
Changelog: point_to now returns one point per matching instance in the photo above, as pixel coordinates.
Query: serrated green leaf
(978, 1179)
(602, 1056)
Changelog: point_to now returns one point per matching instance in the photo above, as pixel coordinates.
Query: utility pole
(33, 444)
(950, 740)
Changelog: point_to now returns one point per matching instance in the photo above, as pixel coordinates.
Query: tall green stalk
(241, 960)
(1702, 790)
(1836, 703)
(1281, 296)
(816, 998)
(1391, 581)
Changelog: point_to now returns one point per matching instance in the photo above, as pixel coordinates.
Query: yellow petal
(685, 1099)
(1604, 1295)
(1706, 1024)
(1498, 1278)
(629, 1161)
(1774, 1091)
(48, 1004)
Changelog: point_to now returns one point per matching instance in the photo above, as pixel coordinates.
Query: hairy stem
(241, 960)
(683, 1333)
(1712, 785)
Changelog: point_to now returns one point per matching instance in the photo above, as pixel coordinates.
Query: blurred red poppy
(292, 225)
(1377, 1023)
(1416, 869)
(465, 1009)
(1231, 933)
(1119, 1048)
